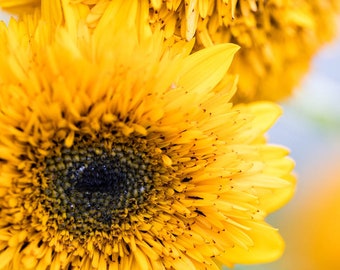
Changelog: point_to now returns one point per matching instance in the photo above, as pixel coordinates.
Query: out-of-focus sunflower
(277, 38)
(318, 246)
(314, 235)
(20, 6)
(117, 152)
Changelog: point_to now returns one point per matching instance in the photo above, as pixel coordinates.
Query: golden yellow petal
(201, 66)
(256, 253)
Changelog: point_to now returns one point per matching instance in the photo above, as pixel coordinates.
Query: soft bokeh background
(310, 127)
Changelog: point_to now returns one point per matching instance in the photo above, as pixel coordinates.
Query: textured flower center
(92, 188)
(111, 176)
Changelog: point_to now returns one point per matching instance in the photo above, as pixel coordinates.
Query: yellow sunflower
(278, 38)
(19, 6)
(119, 153)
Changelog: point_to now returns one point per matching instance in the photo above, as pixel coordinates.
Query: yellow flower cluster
(278, 38)
(121, 144)
(20, 6)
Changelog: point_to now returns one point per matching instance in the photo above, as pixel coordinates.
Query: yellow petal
(205, 69)
(277, 198)
(268, 246)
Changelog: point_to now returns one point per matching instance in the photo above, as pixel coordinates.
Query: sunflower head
(20, 7)
(120, 152)
(277, 39)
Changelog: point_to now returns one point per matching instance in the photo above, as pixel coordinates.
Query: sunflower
(278, 38)
(118, 152)
(313, 221)
(19, 6)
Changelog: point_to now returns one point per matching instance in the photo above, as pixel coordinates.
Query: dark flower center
(119, 180)
(93, 188)
(106, 176)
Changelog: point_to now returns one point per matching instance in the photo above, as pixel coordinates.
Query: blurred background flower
(277, 38)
